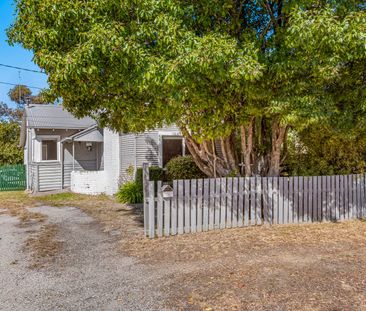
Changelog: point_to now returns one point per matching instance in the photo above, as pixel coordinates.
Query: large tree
(241, 73)
(10, 153)
(22, 94)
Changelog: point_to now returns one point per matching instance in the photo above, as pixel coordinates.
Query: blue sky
(15, 56)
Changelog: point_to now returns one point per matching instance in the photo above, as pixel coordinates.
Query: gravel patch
(88, 274)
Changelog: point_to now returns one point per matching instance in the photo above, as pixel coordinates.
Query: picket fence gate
(12, 177)
(197, 205)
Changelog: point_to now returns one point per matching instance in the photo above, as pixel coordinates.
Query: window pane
(171, 148)
(49, 150)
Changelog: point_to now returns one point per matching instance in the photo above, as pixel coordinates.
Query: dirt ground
(306, 267)
(303, 267)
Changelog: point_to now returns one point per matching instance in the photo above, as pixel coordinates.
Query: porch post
(62, 164)
(73, 155)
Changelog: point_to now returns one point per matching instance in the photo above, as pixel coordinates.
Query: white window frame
(169, 135)
(40, 138)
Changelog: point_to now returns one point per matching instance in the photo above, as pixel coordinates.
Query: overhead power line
(20, 68)
(31, 87)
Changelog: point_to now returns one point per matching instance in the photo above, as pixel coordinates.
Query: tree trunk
(260, 153)
(279, 134)
(247, 147)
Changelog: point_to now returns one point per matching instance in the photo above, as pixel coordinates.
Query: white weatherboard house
(63, 152)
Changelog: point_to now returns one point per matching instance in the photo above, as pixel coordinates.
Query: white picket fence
(207, 204)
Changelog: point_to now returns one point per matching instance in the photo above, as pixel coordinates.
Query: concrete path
(88, 274)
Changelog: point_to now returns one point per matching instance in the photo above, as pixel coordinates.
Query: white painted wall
(88, 182)
(111, 161)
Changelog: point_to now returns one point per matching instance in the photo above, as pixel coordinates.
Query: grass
(16, 204)
(68, 198)
(111, 214)
(43, 246)
(103, 208)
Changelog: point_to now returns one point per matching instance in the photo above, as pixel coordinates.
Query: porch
(59, 156)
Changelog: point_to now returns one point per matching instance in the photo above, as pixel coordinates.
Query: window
(49, 150)
(172, 147)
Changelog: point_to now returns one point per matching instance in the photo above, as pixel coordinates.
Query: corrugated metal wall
(49, 176)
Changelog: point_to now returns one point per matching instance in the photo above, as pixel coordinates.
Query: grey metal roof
(54, 117)
(91, 134)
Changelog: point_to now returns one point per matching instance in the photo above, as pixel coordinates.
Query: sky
(15, 56)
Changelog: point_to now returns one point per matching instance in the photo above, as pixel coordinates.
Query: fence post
(145, 185)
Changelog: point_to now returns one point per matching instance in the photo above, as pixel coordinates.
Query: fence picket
(174, 208)
(235, 202)
(337, 198)
(285, 200)
(314, 199)
(246, 200)
(270, 200)
(306, 199)
(199, 204)
(241, 202)
(359, 189)
(180, 206)
(151, 209)
(301, 200)
(216, 194)
(252, 201)
(258, 200)
(275, 206)
(290, 200)
(310, 200)
(167, 210)
(354, 196)
(223, 203)
(346, 197)
(362, 189)
(206, 187)
(281, 181)
(229, 200)
(319, 198)
(296, 199)
(159, 208)
(334, 198)
(265, 200)
(328, 198)
(214, 211)
(193, 205)
(187, 206)
(324, 198)
(341, 197)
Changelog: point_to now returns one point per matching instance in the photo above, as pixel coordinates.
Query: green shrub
(130, 192)
(156, 173)
(183, 167)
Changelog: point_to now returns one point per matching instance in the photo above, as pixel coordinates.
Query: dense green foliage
(320, 151)
(183, 167)
(21, 95)
(240, 72)
(10, 153)
(130, 192)
(155, 173)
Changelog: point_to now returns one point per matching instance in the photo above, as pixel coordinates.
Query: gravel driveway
(87, 274)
